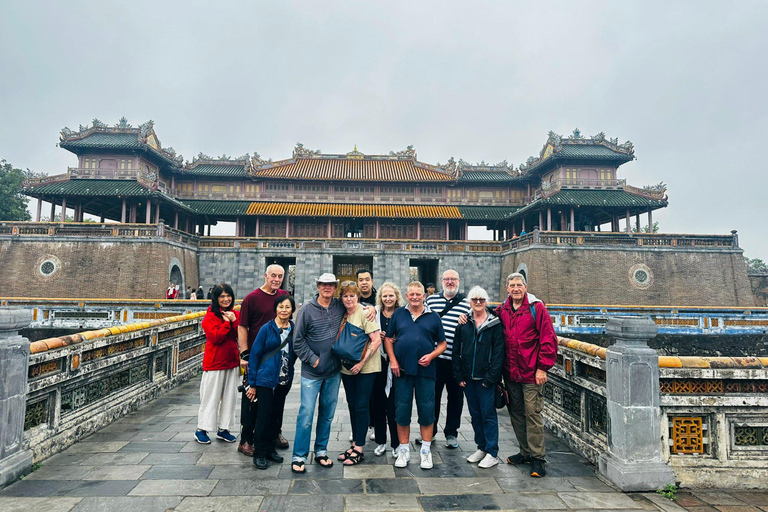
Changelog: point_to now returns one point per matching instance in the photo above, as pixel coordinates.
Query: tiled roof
(601, 198)
(90, 188)
(105, 140)
(590, 151)
(219, 207)
(486, 177)
(354, 210)
(224, 170)
(486, 212)
(351, 169)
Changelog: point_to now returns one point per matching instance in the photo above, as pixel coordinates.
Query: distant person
(365, 284)
(221, 375)
(414, 338)
(193, 294)
(431, 289)
(270, 372)
(210, 293)
(530, 351)
(188, 295)
(478, 356)
(200, 292)
(449, 304)
(257, 310)
(170, 292)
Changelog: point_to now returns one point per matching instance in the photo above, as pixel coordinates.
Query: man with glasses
(449, 304)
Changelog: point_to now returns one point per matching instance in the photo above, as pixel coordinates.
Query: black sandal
(354, 458)
(344, 455)
(324, 458)
(297, 466)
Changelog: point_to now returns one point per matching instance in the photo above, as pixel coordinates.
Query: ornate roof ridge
(484, 166)
(145, 134)
(203, 159)
(556, 141)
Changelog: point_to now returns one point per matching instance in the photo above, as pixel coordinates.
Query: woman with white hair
(478, 356)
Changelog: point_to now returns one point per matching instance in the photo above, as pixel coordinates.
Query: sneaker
(379, 450)
(371, 434)
(488, 461)
(537, 468)
(451, 442)
(476, 457)
(201, 436)
(403, 458)
(224, 435)
(351, 437)
(394, 453)
(426, 459)
(518, 458)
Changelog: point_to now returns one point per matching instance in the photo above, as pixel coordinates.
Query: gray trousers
(525, 404)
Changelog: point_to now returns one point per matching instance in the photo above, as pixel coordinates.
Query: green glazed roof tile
(83, 187)
(105, 140)
(229, 171)
(218, 207)
(486, 177)
(601, 198)
(487, 212)
(590, 151)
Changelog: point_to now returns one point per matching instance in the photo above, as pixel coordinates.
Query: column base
(12, 467)
(635, 476)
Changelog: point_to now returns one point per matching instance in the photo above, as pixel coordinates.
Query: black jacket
(479, 354)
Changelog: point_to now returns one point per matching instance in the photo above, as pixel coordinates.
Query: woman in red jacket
(221, 368)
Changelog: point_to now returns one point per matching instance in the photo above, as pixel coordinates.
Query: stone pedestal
(14, 361)
(633, 461)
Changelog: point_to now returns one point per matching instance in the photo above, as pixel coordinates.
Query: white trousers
(218, 399)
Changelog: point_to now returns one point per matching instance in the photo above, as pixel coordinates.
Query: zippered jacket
(268, 374)
(220, 342)
(478, 353)
(529, 344)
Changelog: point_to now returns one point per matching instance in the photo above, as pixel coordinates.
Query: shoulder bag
(351, 344)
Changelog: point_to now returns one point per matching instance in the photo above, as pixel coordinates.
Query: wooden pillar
(541, 221)
(122, 213)
(176, 220)
(148, 216)
(257, 227)
(101, 217)
(63, 209)
(418, 230)
(637, 222)
(573, 224)
(237, 227)
(549, 218)
(447, 230)
(132, 214)
(523, 225)
(157, 212)
(466, 230)
(287, 227)
(53, 209)
(329, 227)
(628, 223)
(209, 228)
(650, 221)
(377, 228)
(562, 221)
(39, 209)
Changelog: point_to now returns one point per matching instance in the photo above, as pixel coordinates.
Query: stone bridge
(107, 418)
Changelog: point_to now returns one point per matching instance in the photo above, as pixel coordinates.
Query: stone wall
(759, 285)
(86, 267)
(589, 275)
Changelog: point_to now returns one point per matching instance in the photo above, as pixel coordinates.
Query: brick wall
(678, 277)
(759, 285)
(110, 268)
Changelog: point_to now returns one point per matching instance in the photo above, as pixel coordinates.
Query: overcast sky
(686, 82)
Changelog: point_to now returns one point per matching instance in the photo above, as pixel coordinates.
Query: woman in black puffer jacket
(478, 356)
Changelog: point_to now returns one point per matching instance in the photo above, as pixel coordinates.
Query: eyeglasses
(477, 299)
(451, 279)
(347, 283)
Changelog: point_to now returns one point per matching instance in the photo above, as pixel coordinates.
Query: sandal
(354, 458)
(297, 466)
(324, 461)
(344, 455)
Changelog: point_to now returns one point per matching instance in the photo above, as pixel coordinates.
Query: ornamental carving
(408, 152)
(449, 167)
(146, 128)
(301, 152)
(257, 161)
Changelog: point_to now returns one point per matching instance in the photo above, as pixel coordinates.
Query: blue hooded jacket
(267, 340)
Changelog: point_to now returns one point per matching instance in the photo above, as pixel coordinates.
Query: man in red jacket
(530, 351)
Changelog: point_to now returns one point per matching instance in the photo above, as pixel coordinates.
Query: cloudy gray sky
(686, 82)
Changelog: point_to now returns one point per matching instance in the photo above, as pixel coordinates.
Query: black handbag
(351, 344)
(500, 396)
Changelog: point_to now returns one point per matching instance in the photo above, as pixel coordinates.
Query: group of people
(172, 292)
(410, 348)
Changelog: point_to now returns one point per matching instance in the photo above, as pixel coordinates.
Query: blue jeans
(328, 391)
(405, 387)
(485, 422)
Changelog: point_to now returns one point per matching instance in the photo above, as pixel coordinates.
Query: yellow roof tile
(350, 169)
(390, 211)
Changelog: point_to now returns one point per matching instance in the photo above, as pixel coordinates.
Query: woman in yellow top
(358, 380)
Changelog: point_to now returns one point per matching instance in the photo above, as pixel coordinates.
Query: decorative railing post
(14, 360)
(633, 461)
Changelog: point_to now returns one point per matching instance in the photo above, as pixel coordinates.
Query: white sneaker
(477, 456)
(426, 459)
(379, 450)
(371, 434)
(394, 453)
(403, 457)
(488, 461)
(351, 437)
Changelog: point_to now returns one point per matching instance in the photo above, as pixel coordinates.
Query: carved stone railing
(82, 382)
(586, 238)
(714, 413)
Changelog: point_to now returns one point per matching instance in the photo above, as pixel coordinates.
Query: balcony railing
(550, 188)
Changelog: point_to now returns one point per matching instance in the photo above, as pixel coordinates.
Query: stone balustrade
(713, 413)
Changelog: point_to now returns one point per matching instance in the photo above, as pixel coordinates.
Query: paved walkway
(148, 461)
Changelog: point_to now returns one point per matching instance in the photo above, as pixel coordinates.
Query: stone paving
(149, 461)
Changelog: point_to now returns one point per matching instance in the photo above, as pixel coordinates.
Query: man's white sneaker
(488, 461)
(477, 456)
(403, 457)
(379, 450)
(426, 459)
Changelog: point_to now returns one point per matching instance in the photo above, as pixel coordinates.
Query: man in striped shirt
(449, 304)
